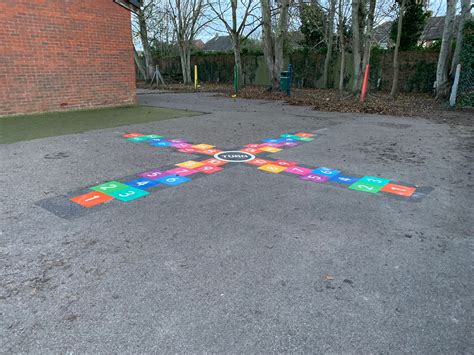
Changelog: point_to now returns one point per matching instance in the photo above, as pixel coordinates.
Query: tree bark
(343, 48)
(356, 45)
(442, 84)
(327, 59)
(273, 42)
(396, 64)
(138, 63)
(149, 63)
(238, 61)
(465, 15)
(368, 34)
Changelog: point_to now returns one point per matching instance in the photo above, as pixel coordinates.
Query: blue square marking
(173, 180)
(273, 140)
(142, 183)
(326, 172)
(344, 179)
(155, 140)
(161, 144)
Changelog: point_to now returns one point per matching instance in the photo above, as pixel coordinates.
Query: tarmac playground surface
(243, 257)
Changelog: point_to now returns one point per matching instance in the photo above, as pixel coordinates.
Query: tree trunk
(149, 64)
(273, 44)
(396, 64)
(238, 61)
(356, 45)
(368, 34)
(327, 59)
(139, 64)
(342, 43)
(185, 56)
(442, 83)
(465, 15)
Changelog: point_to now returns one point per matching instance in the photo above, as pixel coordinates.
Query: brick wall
(64, 54)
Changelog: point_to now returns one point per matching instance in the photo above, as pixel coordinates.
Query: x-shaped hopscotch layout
(213, 160)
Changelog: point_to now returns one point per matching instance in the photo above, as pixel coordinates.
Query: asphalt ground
(241, 260)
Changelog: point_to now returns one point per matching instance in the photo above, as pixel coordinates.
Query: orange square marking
(202, 146)
(398, 190)
(191, 164)
(91, 199)
(270, 149)
(303, 134)
(273, 168)
(132, 135)
(214, 162)
(258, 162)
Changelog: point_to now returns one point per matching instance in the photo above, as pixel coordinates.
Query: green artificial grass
(22, 128)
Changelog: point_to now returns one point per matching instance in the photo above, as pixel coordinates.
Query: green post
(236, 79)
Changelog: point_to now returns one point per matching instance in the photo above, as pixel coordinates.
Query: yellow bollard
(195, 77)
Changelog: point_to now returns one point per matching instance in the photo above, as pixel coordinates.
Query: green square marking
(139, 138)
(128, 194)
(365, 187)
(152, 136)
(109, 187)
(304, 139)
(374, 180)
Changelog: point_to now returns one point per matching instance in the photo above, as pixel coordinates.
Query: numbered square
(272, 168)
(91, 199)
(174, 180)
(131, 193)
(142, 183)
(109, 187)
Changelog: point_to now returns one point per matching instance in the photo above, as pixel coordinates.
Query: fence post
(365, 83)
(454, 90)
(195, 76)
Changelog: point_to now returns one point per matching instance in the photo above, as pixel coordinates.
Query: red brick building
(64, 54)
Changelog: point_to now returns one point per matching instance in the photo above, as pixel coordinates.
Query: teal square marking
(131, 193)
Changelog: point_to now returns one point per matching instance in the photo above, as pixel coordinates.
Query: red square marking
(252, 145)
(251, 150)
(303, 134)
(398, 190)
(91, 199)
(132, 135)
(285, 163)
(259, 162)
(209, 169)
(214, 162)
(211, 151)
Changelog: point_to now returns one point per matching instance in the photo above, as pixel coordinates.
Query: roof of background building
(219, 44)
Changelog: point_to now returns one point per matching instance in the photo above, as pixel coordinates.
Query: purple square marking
(153, 174)
(315, 178)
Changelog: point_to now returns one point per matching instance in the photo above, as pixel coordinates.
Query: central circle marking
(234, 156)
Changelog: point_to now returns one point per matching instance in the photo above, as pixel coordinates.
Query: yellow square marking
(273, 168)
(270, 149)
(191, 164)
(203, 146)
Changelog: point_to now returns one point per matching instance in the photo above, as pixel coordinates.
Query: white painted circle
(234, 156)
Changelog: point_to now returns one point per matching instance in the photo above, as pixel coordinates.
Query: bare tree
(396, 64)
(356, 43)
(141, 30)
(466, 7)
(242, 17)
(442, 84)
(342, 44)
(330, 37)
(188, 20)
(368, 34)
(274, 35)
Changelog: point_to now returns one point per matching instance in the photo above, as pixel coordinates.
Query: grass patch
(22, 128)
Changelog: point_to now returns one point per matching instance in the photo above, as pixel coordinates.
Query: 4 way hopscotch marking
(213, 160)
